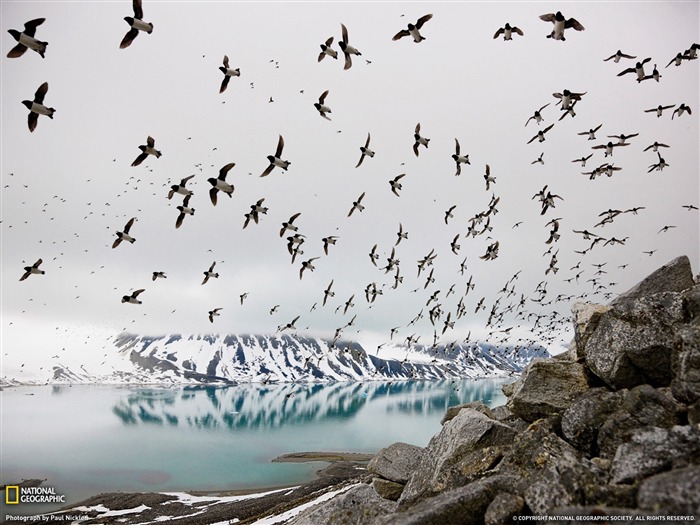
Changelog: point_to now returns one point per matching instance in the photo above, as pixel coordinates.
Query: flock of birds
(511, 307)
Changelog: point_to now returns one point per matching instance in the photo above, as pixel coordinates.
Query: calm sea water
(89, 439)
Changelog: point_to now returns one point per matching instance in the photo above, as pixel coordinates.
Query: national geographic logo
(15, 494)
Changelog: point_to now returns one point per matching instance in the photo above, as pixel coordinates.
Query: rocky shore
(608, 432)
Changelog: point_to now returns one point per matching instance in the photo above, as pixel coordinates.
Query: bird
(491, 252)
(454, 246)
(346, 48)
(488, 178)
(567, 97)
(540, 134)
(328, 292)
(677, 60)
(289, 225)
(137, 24)
(401, 235)
(219, 184)
(33, 269)
(184, 209)
(228, 73)
(25, 39)
(638, 69)
(210, 273)
(609, 147)
(655, 146)
(180, 188)
(459, 159)
(158, 275)
(590, 132)
(124, 235)
(680, 110)
(560, 24)
(617, 56)
(326, 50)
(622, 139)
(132, 298)
(366, 152)
(413, 30)
(289, 326)
(214, 313)
(507, 32)
(418, 140)
(321, 108)
(327, 241)
(539, 159)
(276, 159)
(448, 213)
(373, 255)
(659, 109)
(255, 211)
(307, 265)
(36, 107)
(356, 205)
(146, 150)
(537, 116)
(396, 185)
(583, 160)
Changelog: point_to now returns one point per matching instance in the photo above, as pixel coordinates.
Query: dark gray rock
(556, 473)
(360, 504)
(501, 413)
(479, 406)
(387, 489)
(653, 451)
(469, 444)
(582, 420)
(675, 276)
(547, 387)
(640, 408)
(634, 341)
(503, 508)
(675, 493)
(691, 303)
(585, 317)
(686, 364)
(397, 462)
(694, 414)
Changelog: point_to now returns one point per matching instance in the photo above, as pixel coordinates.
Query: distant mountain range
(229, 359)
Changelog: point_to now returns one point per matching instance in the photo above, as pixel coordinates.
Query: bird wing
(226, 61)
(225, 169)
(280, 142)
(499, 32)
(401, 34)
(129, 224)
(549, 17)
(344, 33)
(129, 38)
(138, 160)
(573, 23)
(138, 9)
(320, 101)
(32, 120)
(17, 51)
(30, 27)
(224, 83)
(422, 20)
(212, 195)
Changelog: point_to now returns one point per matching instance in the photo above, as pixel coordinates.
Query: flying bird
(307, 265)
(537, 116)
(507, 32)
(638, 69)
(214, 313)
(25, 39)
(396, 185)
(413, 30)
(459, 159)
(540, 134)
(590, 132)
(289, 225)
(124, 235)
(158, 275)
(326, 50)
(321, 108)
(366, 152)
(36, 107)
(276, 159)
(137, 24)
(617, 56)
(219, 184)
(184, 209)
(33, 269)
(659, 109)
(346, 48)
(210, 273)
(146, 150)
(327, 241)
(132, 298)
(680, 110)
(356, 205)
(228, 73)
(180, 188)
(418, 140)
(567, 97)
(560, 24)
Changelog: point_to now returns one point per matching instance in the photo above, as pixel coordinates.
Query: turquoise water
(89, 439)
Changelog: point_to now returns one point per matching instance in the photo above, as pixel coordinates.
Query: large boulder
(674, 276)
(655, 450)
(397, 462)
(582, 420)
(675, 493)
(479, 406)
(547, 387)
(686, 364)
(585, 317)
(469, 444)
(633, 342)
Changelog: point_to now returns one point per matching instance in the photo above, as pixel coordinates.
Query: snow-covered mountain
(228, 359)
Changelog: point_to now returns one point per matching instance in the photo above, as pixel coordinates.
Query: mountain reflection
(260, 406)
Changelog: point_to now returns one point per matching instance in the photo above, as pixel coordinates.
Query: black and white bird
(327, 241)
(133, 297)
(307, 265)
(659, 109)
(276, 159)
(33, 269)
(419, 140)
(124, 235)
(609, 147)
(537, 116)
(137, 24)
(566, 98)
(459, 158)
(617, 56)
(540, 134)
(320, 106)
(25, 39)
(36, 107)
(289, 225)
(560, 24)
(396, 185)
(180, 188)
(590, 132)
(413, 30)
(346, 48)
(184, 210)
(147, 149)
(228, 72)
(210, 273)
(682, 108)
(219, 184)
(158, 275)
(365, 151)
(214, 313)
(507, 32)
(638, 69)
(357, 205)
(326, 50)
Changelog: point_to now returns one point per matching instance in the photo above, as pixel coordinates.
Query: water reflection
(261, 406)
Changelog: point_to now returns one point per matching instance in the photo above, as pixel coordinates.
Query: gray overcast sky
(68, 186)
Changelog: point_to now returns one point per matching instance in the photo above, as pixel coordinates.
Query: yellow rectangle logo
(11, 501)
